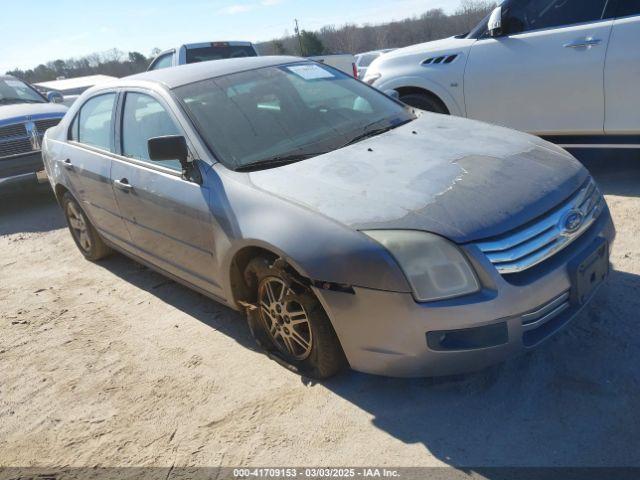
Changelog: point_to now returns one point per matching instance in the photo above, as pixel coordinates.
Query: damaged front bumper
(389, 333)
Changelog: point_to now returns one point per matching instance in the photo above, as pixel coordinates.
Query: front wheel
(290, 323)
(423, 101)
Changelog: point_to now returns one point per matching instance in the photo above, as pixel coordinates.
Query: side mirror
(494, 25)
(392, 93)
(170, 147)
(54, 97)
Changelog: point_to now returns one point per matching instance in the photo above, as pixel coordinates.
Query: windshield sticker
(310, 72)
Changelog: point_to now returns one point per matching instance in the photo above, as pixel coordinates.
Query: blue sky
(41, 30)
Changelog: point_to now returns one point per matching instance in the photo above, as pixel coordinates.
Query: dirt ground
(111, 364)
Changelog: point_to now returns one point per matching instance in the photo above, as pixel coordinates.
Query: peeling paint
(452, 176)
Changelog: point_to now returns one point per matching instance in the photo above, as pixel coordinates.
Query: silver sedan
(351, 230)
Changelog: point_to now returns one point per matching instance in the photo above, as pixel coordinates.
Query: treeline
(112, 62)
(431, 25)
(350, 38)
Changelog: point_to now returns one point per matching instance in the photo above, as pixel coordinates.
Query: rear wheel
(423, 101)
(84, 234)
(290, 323)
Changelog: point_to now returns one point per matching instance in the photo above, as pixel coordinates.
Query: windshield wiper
(276, 161)
(374, 132)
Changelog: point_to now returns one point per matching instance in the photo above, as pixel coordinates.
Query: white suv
(567, 70)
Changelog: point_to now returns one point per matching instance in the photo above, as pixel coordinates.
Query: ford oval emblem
(572, 221)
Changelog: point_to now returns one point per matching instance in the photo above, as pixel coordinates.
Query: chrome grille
(546, 313)
(25, 136)
(537, 241)
(15, 147)
(44, 125)
(15, 130)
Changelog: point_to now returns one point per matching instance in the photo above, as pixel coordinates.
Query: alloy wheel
(285, 319)
(78, 227)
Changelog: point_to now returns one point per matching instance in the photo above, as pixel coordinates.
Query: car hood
(21, 111)
(428, 47)
(459, 178)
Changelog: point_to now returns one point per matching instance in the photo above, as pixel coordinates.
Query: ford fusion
(349, 230)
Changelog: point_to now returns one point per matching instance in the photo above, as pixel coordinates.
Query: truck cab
(202, 52)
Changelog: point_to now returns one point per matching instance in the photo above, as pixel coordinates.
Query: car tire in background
(290, 323)
(423, 101)
(83, 232)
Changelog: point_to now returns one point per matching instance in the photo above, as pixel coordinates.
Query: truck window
(219, 52)
(163, 61)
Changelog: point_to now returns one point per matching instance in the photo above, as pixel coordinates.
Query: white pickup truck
(206, 51)
(566, 70)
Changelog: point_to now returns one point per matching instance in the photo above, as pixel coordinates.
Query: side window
(526, 15)
(94, 121)
(144, 118)
(162, 62)
(628, 7)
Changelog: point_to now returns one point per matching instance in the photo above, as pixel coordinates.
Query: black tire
(82, 230)
(423, 101)
(325, 357)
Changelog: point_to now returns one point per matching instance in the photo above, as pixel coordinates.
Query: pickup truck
(206, 51)
(561, 69)
(25, 114)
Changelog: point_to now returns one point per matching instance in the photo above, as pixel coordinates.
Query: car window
(366, 59)
(144, 118)
(13, 90)
(628, 7)
(94, 121)
(526, 15)
(162, 62)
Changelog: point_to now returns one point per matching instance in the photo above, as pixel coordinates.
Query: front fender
(431, 85)
(319, 248)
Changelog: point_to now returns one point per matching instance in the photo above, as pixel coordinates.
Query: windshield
(13, 90)
(219, 52)
(290, 111)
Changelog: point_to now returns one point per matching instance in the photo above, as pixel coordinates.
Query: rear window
(219, 52)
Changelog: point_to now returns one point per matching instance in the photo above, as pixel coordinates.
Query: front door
(545, 75)
(168, 217)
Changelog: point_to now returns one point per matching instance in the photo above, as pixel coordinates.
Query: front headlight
(435, 268)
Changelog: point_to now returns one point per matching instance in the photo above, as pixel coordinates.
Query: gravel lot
(111, 364)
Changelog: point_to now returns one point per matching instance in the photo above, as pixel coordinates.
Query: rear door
(622, 73)
(167, 216)
(545, 76)
(89, 155)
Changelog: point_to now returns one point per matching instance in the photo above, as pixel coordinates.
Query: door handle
(123, 184)
(67, 164)
(584, 43)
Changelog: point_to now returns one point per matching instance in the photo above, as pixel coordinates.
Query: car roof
(173, 77)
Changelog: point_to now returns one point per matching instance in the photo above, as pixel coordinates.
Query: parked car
(25, 115)
(363, 60)
(345, 62)
(350, 230)
(202, 52)
(72, 88)
(561, 69)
